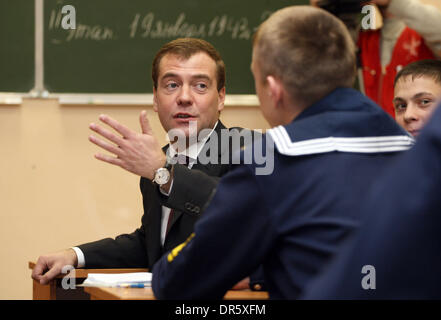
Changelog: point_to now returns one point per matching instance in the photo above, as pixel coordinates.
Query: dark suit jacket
(191, 192)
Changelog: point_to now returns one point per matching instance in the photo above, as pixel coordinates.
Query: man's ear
(221, 103)
(275, 90)
(155, 100)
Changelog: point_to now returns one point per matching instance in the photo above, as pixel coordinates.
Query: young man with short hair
(417, 90)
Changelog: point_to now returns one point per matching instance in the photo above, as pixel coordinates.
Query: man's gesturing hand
(136, 152)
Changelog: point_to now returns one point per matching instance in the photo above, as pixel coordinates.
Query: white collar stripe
(346, 144)
(337, 141)
(281, 135)
(349, 150)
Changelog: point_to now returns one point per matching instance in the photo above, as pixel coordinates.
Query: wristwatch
(162, 175)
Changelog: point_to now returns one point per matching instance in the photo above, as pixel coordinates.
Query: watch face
(162, 175)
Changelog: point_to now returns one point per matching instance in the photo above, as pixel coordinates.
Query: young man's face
(414, 102)
(187, 91)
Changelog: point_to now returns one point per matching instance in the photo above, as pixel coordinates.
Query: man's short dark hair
(428, 68)
(309, 49)
(185, 48)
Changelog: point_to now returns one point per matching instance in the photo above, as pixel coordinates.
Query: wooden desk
(54, 290)
(99, 293)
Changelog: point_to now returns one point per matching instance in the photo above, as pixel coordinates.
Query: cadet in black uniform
(400, 240)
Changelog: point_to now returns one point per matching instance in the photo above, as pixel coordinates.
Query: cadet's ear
(275, 90)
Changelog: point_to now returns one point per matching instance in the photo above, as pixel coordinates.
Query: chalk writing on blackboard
(148, 26)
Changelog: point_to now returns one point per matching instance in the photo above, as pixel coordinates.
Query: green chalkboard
(17, 45)
(114, 42)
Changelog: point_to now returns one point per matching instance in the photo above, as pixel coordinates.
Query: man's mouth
(183, 116)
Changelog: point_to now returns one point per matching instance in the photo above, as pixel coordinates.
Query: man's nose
(411, 113)
(185, 97)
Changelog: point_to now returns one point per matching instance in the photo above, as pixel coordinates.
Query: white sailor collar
(344, 121)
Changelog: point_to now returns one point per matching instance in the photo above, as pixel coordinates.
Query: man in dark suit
(192, 187)
(189, 93)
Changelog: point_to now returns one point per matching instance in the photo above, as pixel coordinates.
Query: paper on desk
(116, 279)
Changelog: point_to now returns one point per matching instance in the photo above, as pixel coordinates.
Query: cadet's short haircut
(309, 49)
(185, 48)
(428, 68)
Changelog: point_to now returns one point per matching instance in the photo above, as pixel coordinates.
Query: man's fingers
(107, 134)
(108, 159)
(38, 271)
(106, 146)
(145, 124)
(50, 274)
(126, 132)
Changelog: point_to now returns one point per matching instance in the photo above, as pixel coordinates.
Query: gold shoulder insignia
(178, 249)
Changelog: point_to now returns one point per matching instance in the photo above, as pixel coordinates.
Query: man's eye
(400, 107)
(201, 86)
(171, 85)
(425, 101)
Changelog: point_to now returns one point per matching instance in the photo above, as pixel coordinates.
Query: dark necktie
(184, 160)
